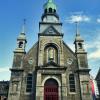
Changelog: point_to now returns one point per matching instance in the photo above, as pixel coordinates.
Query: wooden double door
(51, 90)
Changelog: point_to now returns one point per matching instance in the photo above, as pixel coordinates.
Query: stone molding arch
(55, 54)
(52, 44)
(51, 77)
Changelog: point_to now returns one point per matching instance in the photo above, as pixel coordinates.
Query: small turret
(50, 14)
(21, 41)
(80, 51)
(78, 41)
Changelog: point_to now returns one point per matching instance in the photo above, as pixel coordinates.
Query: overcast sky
(12, 13)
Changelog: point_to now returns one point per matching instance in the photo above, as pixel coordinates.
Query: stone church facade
(50, 70)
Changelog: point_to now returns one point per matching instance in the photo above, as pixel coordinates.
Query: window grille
(72, 83)
(29, 83)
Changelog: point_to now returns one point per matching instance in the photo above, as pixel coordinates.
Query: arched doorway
(51, 90)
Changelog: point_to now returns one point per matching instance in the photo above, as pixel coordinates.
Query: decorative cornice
(42, 34)
(52, 66)
(54, 14)
(16, 69)
(81, 52)
(83, 70)
(52, 23)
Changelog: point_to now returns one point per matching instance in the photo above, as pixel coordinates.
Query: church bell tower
(83, 70)
(17, 67)
(50, 55)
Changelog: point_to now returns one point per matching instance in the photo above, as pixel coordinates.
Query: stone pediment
(51, 64)
(51, 31)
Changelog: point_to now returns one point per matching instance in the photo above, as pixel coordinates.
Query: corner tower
(83, 70)
(80, 50)
(17, 68)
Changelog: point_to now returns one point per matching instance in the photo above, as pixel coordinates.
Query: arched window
(20, 44)
(50, 10)
(29, 83)
(45, 10)
(50, 54)
(72, 83)
(54, 11)
(80, 45)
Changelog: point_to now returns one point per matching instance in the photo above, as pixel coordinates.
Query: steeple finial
(23, 27)
(78, 36)
(50, 0)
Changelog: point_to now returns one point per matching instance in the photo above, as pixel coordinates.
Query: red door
(51, 90)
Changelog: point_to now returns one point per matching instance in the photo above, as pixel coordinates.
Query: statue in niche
(51, 53)
(14, 88)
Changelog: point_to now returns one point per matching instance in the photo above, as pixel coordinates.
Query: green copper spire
(50, 5)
